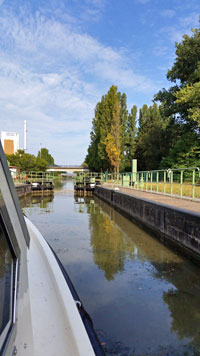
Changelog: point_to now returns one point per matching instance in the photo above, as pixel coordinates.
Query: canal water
(144, 299)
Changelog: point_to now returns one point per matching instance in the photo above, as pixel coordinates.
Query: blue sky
(57, 59)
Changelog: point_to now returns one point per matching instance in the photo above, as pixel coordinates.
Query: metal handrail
(164, 181)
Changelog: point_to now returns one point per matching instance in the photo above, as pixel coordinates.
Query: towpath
(181, 203)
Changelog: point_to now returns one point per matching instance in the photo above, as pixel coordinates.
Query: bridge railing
(182, 182)
(67, 168)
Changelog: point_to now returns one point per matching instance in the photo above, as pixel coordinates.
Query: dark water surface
(144, 299)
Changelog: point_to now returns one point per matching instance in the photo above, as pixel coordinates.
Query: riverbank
(174, 225)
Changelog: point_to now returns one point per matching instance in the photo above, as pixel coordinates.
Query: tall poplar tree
(114, 138)
(124, 131)
(44, 153)
(105, 151)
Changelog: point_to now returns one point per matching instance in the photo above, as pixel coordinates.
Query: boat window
(6, 283)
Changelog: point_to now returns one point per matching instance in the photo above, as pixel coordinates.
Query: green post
(142, 181)
(125, 180)
(151, 180)
(181, 183)
(193, 184)
(164, 182)
(121, 178)
(134, 171)
(171, 181)
(157, 181)
(147, 174)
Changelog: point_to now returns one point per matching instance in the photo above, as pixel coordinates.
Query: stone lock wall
(23, 189)
(179, 227)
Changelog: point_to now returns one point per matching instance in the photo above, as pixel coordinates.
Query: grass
(185, 190)
(175, 189)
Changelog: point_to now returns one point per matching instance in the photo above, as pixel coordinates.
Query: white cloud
(182, 26)
(52, 75)
(161, 50)
(143, 2)
(52, 106)
(50, 42)
(84, 11)
(91, 10)
(168, 13)
(190, 21)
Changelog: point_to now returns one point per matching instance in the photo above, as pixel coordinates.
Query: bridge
(67, 169)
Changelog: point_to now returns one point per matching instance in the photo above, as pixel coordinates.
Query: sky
(58, 57)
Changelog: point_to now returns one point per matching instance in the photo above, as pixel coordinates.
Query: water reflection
(142, 296)
(42, 201)
(109, 246)
(82, 204)
(180, 276)
(107, 241)
(184, 308)
(115, 241)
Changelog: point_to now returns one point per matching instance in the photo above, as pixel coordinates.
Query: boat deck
(52, 306)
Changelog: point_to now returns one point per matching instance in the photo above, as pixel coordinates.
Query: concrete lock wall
(181, 228)
(23, 189)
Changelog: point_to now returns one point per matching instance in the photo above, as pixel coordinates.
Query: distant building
(10, 142)
(14, 171)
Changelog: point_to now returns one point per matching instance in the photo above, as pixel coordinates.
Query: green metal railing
(182, 182)
(84, 178)
(32, 176)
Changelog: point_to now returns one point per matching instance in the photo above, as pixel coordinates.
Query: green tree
(184, 74)
(41, 164)
(190, 95)
(181, 104)
(96, 158)
(27, 162)
(184, 148)
(187, 59)
(124, 141)
(130, 138)
(110, 117)
(152, 143)
(113, 139)
(44, 154)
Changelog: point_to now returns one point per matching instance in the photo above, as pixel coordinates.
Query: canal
(144, 299)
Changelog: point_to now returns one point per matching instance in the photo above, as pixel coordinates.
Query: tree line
(29, 162)
(163, 135)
